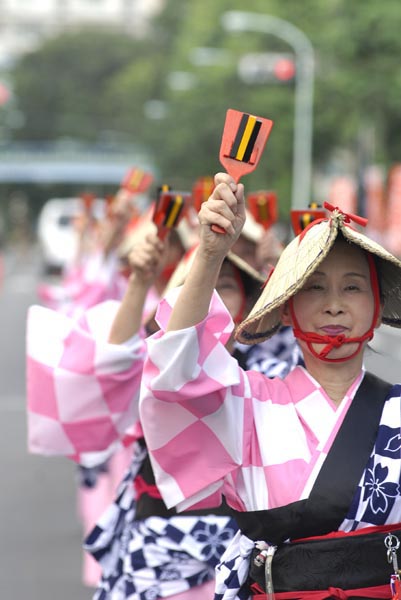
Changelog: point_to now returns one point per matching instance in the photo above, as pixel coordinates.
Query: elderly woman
(310, 463)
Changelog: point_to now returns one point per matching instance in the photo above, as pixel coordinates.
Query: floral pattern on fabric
(375, 501)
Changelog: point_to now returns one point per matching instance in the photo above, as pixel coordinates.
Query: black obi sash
(147, 505)
(350, 562)
(330, 497)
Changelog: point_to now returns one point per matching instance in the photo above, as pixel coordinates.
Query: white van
(57, 236)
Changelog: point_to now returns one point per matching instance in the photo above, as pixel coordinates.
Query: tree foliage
(86, 83)
(62, 88)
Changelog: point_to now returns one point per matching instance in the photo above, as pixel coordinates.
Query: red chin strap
(336, 341)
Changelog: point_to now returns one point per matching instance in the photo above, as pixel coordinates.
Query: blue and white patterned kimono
(158, 557)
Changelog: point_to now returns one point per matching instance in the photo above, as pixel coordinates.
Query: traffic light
(267, 67)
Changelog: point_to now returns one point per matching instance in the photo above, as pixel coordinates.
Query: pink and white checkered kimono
(82, 403)
(82, 392)
(258, 434)
(212, 428)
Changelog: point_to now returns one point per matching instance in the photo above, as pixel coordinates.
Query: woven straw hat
(301, 258)
(183, 268)
(252, 230)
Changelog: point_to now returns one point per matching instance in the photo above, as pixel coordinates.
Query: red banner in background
(374, 195)
(393, 236)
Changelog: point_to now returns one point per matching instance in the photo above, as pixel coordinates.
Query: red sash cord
(380, 591)
(141, 487)
(387, 528)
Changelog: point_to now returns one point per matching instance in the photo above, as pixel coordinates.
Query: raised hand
(147, 259)
(225, 208)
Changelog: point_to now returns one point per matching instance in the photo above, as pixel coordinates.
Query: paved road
(40, 538)
(384, 355)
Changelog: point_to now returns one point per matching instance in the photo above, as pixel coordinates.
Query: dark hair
(251, 287)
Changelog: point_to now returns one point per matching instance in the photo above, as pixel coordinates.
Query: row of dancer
(308, 463)
(145, 550)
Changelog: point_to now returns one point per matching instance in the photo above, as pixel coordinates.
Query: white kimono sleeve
(82, 392)
(192, 405)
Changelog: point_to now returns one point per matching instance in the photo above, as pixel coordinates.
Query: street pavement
(40, 536)
(383, 356)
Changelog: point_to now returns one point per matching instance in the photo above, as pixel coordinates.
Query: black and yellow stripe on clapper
(135, 178)
(305, 220)
(307, 217)
(244, 141)
(263, 209)
(173, 212)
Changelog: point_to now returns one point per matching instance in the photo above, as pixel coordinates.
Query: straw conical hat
(183, 268)
(252, 230)
(300, 259)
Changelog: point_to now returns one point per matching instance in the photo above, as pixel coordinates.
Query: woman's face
(336, 299)
(229, 290)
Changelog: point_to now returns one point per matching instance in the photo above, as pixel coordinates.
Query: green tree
(62, 88)
(89, 82)
(357, 86)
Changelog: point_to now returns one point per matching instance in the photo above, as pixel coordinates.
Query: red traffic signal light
(284, 69)
(267, 67)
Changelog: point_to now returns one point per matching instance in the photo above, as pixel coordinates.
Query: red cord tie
(332, 342)
(315, 338)
(348, 217)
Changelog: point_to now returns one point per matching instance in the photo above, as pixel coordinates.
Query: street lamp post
(304, 79)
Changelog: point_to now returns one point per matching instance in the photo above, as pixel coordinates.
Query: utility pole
(304, 81)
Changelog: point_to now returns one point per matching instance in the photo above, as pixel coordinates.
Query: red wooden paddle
(169, 210)
(302, 218)
(88, 200)
(263, 207)
(201, 190)
(136, 181)
(242, 145)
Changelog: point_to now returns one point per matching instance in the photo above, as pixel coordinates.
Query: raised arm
(114, 226)
(146, 261)
(225, 208)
